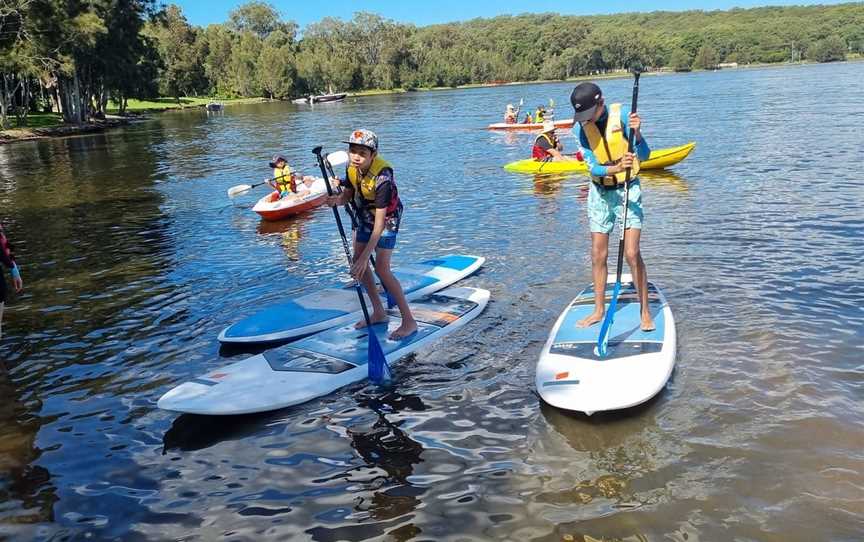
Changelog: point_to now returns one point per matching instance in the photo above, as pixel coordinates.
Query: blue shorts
(386, 241)
(605, 208)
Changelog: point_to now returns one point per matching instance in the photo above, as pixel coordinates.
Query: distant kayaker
(510, 114)
(371, 185)
(8, 261)
(528, 119)
(284, 180)
(547, 147)
(540, 114)
(603, 133)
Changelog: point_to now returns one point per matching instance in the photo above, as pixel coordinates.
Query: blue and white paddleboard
(319, 364)
(637, 366)
(335, 306)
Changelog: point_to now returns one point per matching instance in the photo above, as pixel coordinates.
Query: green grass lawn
(162, 104)
(39, 120)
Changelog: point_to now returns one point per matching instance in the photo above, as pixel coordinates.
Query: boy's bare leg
(599, 270)
(391, 284)
(633, 255)
(379, 314)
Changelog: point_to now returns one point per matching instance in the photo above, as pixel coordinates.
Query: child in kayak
(284, 180)
(370, 184)
(8, 260)
(603, 133)
(547, 147)
(510, 114)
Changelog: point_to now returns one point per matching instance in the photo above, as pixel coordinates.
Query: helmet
(276, 159)
(548, 126)
(365, 138)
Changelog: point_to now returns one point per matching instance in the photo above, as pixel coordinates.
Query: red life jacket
(538, 152)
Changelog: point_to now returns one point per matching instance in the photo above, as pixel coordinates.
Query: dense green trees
(74, 56)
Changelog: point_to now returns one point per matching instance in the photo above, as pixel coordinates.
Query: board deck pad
(321, 363)
(334, 306)
(571, 374)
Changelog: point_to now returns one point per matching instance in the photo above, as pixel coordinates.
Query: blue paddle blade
(390, 301)
(379, 370)
(606, 329)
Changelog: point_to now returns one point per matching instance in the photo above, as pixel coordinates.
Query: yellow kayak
(659, 159)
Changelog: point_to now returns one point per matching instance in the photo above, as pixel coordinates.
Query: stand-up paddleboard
(335, 306)
(570, 375)
(319, 364)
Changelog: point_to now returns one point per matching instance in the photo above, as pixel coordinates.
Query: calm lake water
(134, 259)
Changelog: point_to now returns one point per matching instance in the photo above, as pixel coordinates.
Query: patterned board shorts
(605, 209)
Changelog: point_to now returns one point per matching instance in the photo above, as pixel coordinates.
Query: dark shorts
(386, 241)
(2, 287)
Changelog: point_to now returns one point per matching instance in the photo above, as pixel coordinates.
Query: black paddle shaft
(317, 152)
(354, 214)
(630, 141)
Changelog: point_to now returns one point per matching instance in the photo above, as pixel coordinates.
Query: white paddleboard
(319, 364)
(637, 366)
(336, 306)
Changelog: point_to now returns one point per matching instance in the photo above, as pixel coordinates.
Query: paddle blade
(606, 328)
(379, 370)
(337, 159)
(390, 301)
(239, 189)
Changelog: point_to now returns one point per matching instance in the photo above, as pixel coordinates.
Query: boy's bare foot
(408, 328)
(375, 318)
(591, 319)
(647, 323)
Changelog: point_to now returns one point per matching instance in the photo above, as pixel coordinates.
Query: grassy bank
(42, 125)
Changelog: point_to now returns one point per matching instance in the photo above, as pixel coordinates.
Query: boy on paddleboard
(8, 260)
(603, 138)
(371, 185)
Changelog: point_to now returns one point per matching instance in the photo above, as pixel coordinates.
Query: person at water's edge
(8, 260)
(602, 136)
(370, 183)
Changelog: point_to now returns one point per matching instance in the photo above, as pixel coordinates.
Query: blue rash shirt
(595, 168)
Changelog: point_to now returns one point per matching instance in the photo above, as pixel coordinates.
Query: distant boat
(215, 106)
(321, 98)
(328, 97)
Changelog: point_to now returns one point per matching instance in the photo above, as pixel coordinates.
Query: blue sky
(204, 12)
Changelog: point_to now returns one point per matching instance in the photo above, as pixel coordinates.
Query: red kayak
(565, 123)
(272, 207)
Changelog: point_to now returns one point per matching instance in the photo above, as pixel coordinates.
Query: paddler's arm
(7, 259)
(343, 197)
(594, 167)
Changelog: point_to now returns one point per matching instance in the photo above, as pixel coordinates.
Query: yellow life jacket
(284, 180)
(365, 184)
(609, 149)
(538, 116)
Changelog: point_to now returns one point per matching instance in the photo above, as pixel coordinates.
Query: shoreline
(133, 115)
(14, 135)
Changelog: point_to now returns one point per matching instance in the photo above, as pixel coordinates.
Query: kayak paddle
(606, 328)
(240, 189)
(379, 370)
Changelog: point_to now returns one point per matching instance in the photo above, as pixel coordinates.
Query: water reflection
(26, 491)
(664, 180)
(289, 231)
(383, 492)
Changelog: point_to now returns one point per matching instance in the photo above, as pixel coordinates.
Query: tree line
(76, 56)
